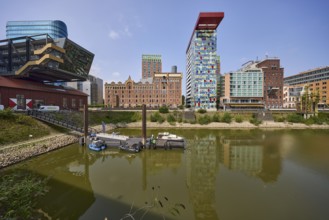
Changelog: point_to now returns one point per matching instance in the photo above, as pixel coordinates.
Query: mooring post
(144, 124)
(85, 122)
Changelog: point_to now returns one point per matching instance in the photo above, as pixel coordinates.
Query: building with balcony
(244, 88)
(257, 85)
(316, 80)
(151, 64)
(45, 60)
(28, 64)
(55, 29)
(202, 63)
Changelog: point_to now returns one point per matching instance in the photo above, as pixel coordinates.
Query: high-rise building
(203, 63)
(55, 29)
(151, 64)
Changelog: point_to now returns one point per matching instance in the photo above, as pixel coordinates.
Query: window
(73, 103)
(80, 102)
(64, 102)
(21, 102)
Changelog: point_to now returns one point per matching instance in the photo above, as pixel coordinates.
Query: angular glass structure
(42, 58)
(55, 29)
(202, 62)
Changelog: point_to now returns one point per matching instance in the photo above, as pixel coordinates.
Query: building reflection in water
(202, 167)
(259, 158)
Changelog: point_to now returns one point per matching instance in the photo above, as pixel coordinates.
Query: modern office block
(44, 59)
(202, 62)
(55, 29)
(316, 80)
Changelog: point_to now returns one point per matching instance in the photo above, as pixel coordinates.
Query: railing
(43, 116)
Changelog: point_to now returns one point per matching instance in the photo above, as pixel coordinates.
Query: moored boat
(97, 145)
(134, 148)
(113, 139)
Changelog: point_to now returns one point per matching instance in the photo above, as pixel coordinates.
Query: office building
(55, 29)
(273, 82)
(151, 64)
(316, 80)
(257, 85)
(244, 88)
(27, 63)
(93, 87)
(203, 63)
(45, 60)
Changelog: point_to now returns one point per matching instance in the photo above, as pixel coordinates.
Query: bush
(202, 111)
(171, 118)
(216, 118)
(295, 118)
(280, 119)
(203, 120)
(164, 109)
(156, 117)
(7, 114)
(227, 118)
(255, 121)
(136, 117)
(238, 118)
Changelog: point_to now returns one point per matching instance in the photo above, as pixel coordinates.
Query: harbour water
(223, 174)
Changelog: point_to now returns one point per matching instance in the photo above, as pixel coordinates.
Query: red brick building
(162, 89)
(273, 82)
(20, 94)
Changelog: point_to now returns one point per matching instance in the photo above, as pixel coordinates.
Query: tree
(183, 100)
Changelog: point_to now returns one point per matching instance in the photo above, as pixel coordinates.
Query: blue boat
(97, 145)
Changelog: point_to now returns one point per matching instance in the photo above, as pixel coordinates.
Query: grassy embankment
(18, 127)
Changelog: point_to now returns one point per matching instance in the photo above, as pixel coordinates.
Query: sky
(118, 32)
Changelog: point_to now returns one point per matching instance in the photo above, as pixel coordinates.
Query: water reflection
(255, 157)
(223, 174)
(202, 166)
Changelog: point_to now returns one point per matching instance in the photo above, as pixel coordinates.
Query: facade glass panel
(55, 29)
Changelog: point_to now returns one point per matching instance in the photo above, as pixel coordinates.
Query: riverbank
(17, 152)
(232, 125)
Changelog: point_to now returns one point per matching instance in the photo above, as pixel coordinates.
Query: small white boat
(113, 139)
(168, 136)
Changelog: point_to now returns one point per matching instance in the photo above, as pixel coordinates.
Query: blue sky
(118, 32)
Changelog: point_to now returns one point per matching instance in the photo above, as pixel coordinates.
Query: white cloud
(114, 35)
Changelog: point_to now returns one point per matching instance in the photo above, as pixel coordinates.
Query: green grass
(19, 191)
(17, 127)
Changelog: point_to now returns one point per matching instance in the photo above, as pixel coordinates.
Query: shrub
(216, 118)
(227, 118)
(203, 120)
(163, 109)
(295, 118)
(7, 114)
(255, 121)
(280, 119)
(171, 118)
(238, 118)
(202, 111)
(136, 117)
(156, 117)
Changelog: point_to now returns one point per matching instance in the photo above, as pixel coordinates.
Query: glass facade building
(55, 29)
(202, 63)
